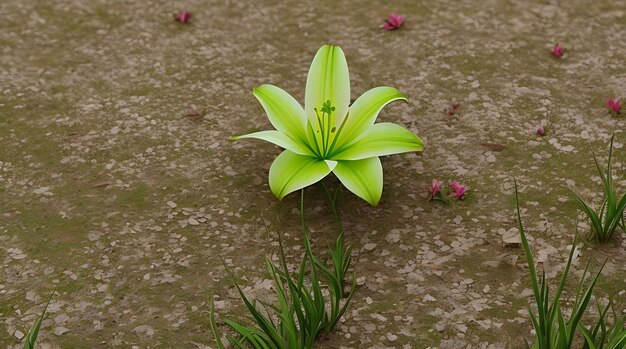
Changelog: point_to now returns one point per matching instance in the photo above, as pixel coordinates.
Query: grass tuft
(300, 311)
(611, 212)
(552, 330)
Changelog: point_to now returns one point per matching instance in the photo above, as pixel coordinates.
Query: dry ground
(113, 193)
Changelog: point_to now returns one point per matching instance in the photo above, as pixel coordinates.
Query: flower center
(326, 128)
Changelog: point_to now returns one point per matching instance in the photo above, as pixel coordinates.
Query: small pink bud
(557, 51)
(541, 131)
(613, 105)
(452, 108)
(183, 17)
(435, 188)
(394, 21)
(458, 189)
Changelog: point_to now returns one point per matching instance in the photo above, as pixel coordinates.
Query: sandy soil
(119, 188)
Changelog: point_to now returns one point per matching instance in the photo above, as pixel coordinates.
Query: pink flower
(541, 131)
(435, 188)
(183, 17)
(458, 189)
(394, 21)
(557, 51)
(453, 107)
(613, 105)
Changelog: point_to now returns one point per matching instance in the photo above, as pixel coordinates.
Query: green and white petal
(364, 111)
(328, 79)
(362, 177)
(381, 139)
(280, 139)
(290, 172)
(283, 111)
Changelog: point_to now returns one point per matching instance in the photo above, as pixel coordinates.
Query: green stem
(333, 205)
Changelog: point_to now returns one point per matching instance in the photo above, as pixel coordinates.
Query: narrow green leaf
(530, 261)
(596, 224)
(213, 324)
(261, 320)
(247, 333)
(559, 290)
(588, 337)
(31, 337)
(619, 216)
(562, 338)
(609, 191)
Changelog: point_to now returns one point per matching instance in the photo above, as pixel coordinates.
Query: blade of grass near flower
(288, 328)
(566, 329)
(263, 323)
(341, 260)
(611, 213)
(538, 321)
(591, 214)
(580, 305)
(213, 324)
(617, 335)
(31, 338)
(317, 292)
(614, 338)
(619, 217)
(300, 298)
(608, 185)
(256, 339)
(589, 339)
(601, 325)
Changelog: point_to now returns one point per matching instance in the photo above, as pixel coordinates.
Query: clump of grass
(603, 336)
(552, 330)
(611, 212)
(300, 312)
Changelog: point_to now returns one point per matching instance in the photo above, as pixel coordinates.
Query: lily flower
(458, 189)
(394, 21)
(183, 17)
(613, 105)
(329, 134)
(557, 51)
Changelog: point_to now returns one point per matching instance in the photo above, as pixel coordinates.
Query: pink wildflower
(435, 188)
(394, 21)
(557, 51)
(458, 189)
(453, 107)
(541, 131)
(613, 105)
(183, 17)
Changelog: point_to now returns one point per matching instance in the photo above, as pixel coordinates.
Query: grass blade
(31, 337)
